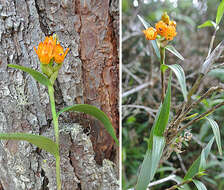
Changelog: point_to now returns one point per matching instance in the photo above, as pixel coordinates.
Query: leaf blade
(179, 72)
(216, 132)
(174, 51)
(97, 113)
(35, 74)
(220, 12)
(195, 167)
(208, 23)
(150, 163)
(40, 141)
(199, 185)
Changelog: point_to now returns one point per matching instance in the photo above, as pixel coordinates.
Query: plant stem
(162, 61)
(56, 130)
(179, 185)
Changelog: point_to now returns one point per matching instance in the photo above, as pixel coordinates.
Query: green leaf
(35, 74)
(216, 132)
(220, 12)
(195, 167)
(40, 141)
(174, 51)
(150, 163)
(164, 112)
(199, 185)
(156, 142)
(179, 72)
(93, 111)
(207, 23)
(153, 42)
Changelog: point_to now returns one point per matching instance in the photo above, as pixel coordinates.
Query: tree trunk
(90, 28)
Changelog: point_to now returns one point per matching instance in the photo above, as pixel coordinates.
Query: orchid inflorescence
(165, 28)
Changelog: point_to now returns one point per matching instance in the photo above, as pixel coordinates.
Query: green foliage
(35, 74)
(40, 141)
(199, 164)
(199, 185)
(156, 143)
(220, 12)
(208, 23)
(97, 113)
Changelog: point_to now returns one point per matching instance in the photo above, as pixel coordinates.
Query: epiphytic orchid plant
(167, 134)
(51, 55)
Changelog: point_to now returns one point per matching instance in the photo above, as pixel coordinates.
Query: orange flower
(150, 33)
(59, 54)
(161, 28)
(170, 33)
(45, 50)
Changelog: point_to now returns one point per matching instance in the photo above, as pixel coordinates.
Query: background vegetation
(140, 67)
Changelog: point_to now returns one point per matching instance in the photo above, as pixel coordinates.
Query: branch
(136, 89)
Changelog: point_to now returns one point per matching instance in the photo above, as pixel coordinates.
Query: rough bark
(89, 75)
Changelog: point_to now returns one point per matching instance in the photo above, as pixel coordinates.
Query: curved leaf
(199, 185)
(35, 74)
(93, 111)
(156, 142)
(174, 51)
(153, 42)
(220, 12)
(208, 23)
(195, 167)
(40, 141)
(179, 72)
(150, 163)
(215, 129)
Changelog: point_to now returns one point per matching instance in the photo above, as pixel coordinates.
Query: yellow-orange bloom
(44, 52)
(161, 28)
(59, 54)
(165, 18)
(170, 33)
(150, 33)
(166, 30)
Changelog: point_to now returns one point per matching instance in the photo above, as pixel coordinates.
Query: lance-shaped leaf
(150, 163)
(220, 12)
(208, 23)
(216, 132)
(40, 141)
(179, 72)
(198, 164)
(156, 143)
(174, 51)
(153, 42)
(97, 113)
(35, 74)
(199, 185)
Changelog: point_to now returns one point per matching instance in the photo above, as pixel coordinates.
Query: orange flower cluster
(50, 49)
(164, 28)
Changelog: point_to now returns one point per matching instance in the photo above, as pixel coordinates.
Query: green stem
(56, 130)
(162, 61)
